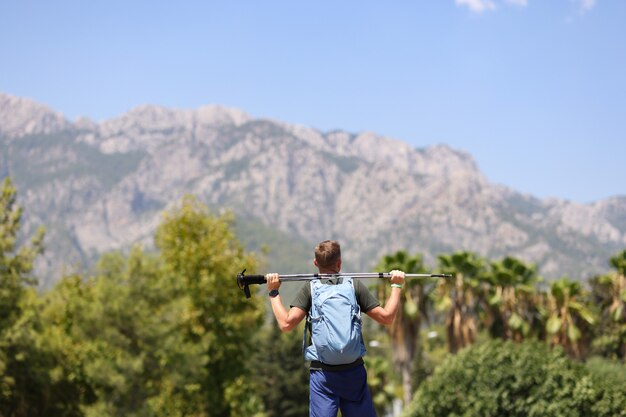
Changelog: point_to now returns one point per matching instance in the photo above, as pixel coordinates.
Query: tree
(405, 330)
(145, 334)
(118, 335)
(514, 313)
(568, 316)
(460, 297)
(15, 263)
(202, 252)
(24, 380)
(609, 294)
(502, 378)
(382, 381)
(277, 373)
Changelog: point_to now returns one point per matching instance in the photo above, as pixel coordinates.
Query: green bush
(609, 371)
(500, 378)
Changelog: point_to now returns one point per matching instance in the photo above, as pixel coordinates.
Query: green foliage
(619, 262)
(22, 363)
(413, 301)
(609, 370)
(120, 334)
(609, 294)
(29, 386)
(433, 352)
(382, 378)
(460, 297)
(15, 263)
(502, 378)
(513, 311)
(405, 329)
(243, 398)
(568, 316)
(202, 253)
(144, 335)
(277, 373)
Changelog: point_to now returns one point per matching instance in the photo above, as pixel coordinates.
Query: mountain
(103, 186)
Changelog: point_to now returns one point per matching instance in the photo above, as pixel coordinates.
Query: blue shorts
(346, 390)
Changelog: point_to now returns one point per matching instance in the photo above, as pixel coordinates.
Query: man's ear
(339, 264)
(315, 262)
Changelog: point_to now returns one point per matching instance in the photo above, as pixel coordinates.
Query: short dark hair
(327, 253)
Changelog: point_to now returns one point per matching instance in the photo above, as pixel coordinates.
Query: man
(339, 386)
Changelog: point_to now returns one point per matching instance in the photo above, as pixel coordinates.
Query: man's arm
(287, 320)
(386, 315)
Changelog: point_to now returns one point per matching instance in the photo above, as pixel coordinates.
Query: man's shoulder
(359, 285)
(364, 296)
(302, 299)
(304, 289)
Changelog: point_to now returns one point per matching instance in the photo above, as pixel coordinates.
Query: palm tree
(405, 330)
(460, 297)
(511, 301)
(609, 293)
(567, 315)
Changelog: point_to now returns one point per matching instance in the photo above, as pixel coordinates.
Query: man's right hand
(397, 277)
(273, 281)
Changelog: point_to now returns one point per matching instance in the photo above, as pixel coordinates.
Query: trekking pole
(243, 281)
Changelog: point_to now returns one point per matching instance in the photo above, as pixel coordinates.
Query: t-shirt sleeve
(303, 297)
(367, 301)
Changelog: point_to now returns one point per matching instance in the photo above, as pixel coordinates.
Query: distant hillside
(103, 186)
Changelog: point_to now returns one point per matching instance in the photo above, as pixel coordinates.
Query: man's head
(328, 256)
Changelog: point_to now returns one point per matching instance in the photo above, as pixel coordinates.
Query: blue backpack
(335, 320)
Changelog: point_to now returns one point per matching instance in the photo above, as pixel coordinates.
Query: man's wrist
(273, 293)
(394, 285)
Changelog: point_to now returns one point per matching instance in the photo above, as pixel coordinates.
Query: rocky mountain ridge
(103, 186)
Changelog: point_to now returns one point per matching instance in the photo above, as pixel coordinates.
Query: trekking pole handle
(243, 281)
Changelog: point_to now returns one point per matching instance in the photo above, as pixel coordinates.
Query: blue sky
(534, 90)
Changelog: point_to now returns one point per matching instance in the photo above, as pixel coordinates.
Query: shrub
(499, 378)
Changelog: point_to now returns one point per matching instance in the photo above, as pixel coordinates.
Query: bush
(500, 378)
(609, 371)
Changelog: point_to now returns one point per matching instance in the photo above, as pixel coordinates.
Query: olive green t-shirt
(366, 300)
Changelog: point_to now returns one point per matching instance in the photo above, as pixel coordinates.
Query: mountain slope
(99, 187)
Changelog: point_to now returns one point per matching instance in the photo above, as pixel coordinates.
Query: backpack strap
(356, 299)
(308, 318)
